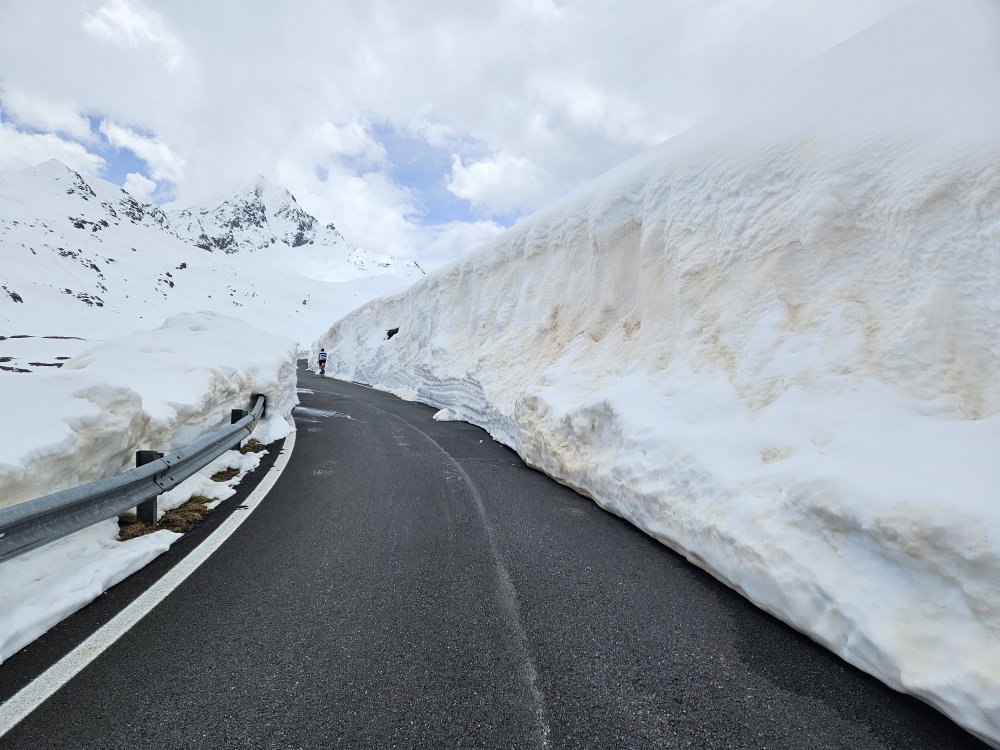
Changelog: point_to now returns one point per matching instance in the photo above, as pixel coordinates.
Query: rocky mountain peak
(257, 216)
(87, 227)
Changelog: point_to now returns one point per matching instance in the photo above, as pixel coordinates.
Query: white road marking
(46, 684)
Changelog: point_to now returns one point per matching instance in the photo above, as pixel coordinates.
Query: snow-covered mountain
(256, 217)
(262, 217)
(81, 257)
(771, 343)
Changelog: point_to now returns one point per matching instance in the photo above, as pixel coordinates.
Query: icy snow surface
(157, 389)
(773, 344)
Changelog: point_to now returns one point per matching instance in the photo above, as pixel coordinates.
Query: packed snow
(773, 343)
(158, 390)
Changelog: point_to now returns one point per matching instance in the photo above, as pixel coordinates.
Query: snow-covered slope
(773, 343)
(82, 258)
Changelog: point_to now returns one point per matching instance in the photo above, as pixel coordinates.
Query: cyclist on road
(322, 361)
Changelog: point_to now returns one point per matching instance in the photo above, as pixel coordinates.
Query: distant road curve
(411, 583)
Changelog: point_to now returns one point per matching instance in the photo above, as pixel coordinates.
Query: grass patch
(252, 446)
(181, 520)
(187, 516)
(224, 476)
(133, 529)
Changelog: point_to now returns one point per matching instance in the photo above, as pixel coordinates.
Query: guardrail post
(28, 525)
(236, 415)
(146, 512)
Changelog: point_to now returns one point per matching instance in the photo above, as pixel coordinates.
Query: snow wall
(158, 389)
(773, 344)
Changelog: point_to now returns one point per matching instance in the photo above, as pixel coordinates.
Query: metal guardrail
(30, 524)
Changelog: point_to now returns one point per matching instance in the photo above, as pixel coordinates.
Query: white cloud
(349, 139)
(373, 212)
(501, 183)
(603, 112)
(435, 134)
(19, 149)
(139, 186)
(532, 96)
(444, 242)
(33, 111)
(369, 209)
(163, 163)
(135, 26)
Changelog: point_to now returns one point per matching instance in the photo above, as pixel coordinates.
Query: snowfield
(773, 343)
(157, 389)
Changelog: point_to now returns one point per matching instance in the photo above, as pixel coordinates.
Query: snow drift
(156, 389)
(773, 344)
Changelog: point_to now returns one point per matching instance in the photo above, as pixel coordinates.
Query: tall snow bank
(157, 389)
(772, 343)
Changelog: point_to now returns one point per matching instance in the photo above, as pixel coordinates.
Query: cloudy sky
(419, 128)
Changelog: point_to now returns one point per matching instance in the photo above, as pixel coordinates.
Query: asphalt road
(410, 583)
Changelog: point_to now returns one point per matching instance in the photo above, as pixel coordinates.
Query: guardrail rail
(33, 523)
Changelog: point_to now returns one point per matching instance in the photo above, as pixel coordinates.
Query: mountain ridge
(230, 226)
(83, 256)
